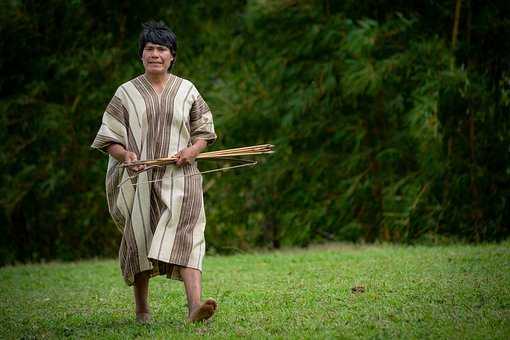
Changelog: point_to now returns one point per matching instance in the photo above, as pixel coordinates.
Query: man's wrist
(200, 145)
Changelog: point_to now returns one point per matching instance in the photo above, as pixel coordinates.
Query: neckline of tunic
(152, 87)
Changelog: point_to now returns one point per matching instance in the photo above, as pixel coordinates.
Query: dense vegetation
(390, 119)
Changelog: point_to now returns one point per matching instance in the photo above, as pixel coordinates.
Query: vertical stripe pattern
(162, 222)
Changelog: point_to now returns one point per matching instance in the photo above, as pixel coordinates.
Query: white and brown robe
(161, 211)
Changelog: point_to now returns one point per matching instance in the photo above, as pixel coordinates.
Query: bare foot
(204, 311)
(143, 317)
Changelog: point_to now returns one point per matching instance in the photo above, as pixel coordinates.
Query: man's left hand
(186, 156)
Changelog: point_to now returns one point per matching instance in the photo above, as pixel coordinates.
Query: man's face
(156, 59)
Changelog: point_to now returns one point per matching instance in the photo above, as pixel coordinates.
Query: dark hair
(157, 33)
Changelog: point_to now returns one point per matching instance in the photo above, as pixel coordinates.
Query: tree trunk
(456, 20)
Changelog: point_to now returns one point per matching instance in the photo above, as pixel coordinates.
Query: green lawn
(409, 292)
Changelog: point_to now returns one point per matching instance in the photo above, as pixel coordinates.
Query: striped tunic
(161, 211)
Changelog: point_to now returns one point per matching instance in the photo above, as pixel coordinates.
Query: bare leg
(197, 311)
(141, 293)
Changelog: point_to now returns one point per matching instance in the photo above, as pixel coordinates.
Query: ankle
(142, 309)
(194, 307)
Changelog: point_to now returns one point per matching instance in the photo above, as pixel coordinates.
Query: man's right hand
(131, 157)
(118, 152)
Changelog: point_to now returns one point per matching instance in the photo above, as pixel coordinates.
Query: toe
(211, 303)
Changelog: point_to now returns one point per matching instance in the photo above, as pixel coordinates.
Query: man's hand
(122, 155)
(187, 155)
(131, 157)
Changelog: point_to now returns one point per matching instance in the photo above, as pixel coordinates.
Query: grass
(409, 292)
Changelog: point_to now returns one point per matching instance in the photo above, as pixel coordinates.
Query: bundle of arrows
(220, 154)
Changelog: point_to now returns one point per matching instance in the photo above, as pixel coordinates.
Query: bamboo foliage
(390, 117)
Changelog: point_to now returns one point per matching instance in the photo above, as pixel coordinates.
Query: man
(160, 210)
